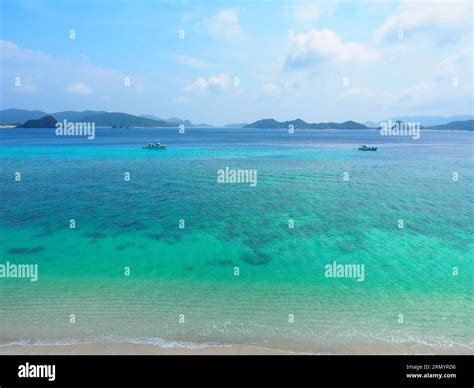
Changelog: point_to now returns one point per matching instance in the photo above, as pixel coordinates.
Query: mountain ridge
(467, 125)
(20, 117)
(100, 118)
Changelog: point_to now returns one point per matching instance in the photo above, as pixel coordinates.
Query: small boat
(154, 146)
(365, 148)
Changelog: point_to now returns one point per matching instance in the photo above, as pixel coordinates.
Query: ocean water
(410, 299)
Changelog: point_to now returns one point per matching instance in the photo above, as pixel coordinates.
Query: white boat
(154, 146)
(365, 148)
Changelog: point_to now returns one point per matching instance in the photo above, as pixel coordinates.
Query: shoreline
(130, 348)
(126, 348)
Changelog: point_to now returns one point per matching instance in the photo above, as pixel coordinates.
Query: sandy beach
(149, 349)
(133, 349)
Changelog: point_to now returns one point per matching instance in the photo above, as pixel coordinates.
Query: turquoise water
(190, 271)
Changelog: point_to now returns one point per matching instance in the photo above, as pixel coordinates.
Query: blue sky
(239, 61)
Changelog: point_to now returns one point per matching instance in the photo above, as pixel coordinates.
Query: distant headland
(44, 122)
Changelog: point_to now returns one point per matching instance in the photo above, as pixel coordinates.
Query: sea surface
(237, 273)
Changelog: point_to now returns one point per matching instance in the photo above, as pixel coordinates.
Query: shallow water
(190, 271)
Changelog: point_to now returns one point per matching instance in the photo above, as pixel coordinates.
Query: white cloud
(457, 63)
(80, 88)
(412, 15)
(316, 45)
(225, 25)
(187, 16)
(41, 73)
(425, 94)
(5, 44)
(435, 96)
(270, 89)
(215, 83)
(192, 62)
(439, 89)
(307, 12)
(200, 85)
(419, 89)
(11, 51)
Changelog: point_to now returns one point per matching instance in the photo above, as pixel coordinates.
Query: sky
(222, 62)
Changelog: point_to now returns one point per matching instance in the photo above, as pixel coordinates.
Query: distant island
(44, 122)
(22, 118)
(465, 125)
(300, 124)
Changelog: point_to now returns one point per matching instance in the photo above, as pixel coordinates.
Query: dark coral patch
(136, 225)
(25, 251)
(256, 258)
(125, 246)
